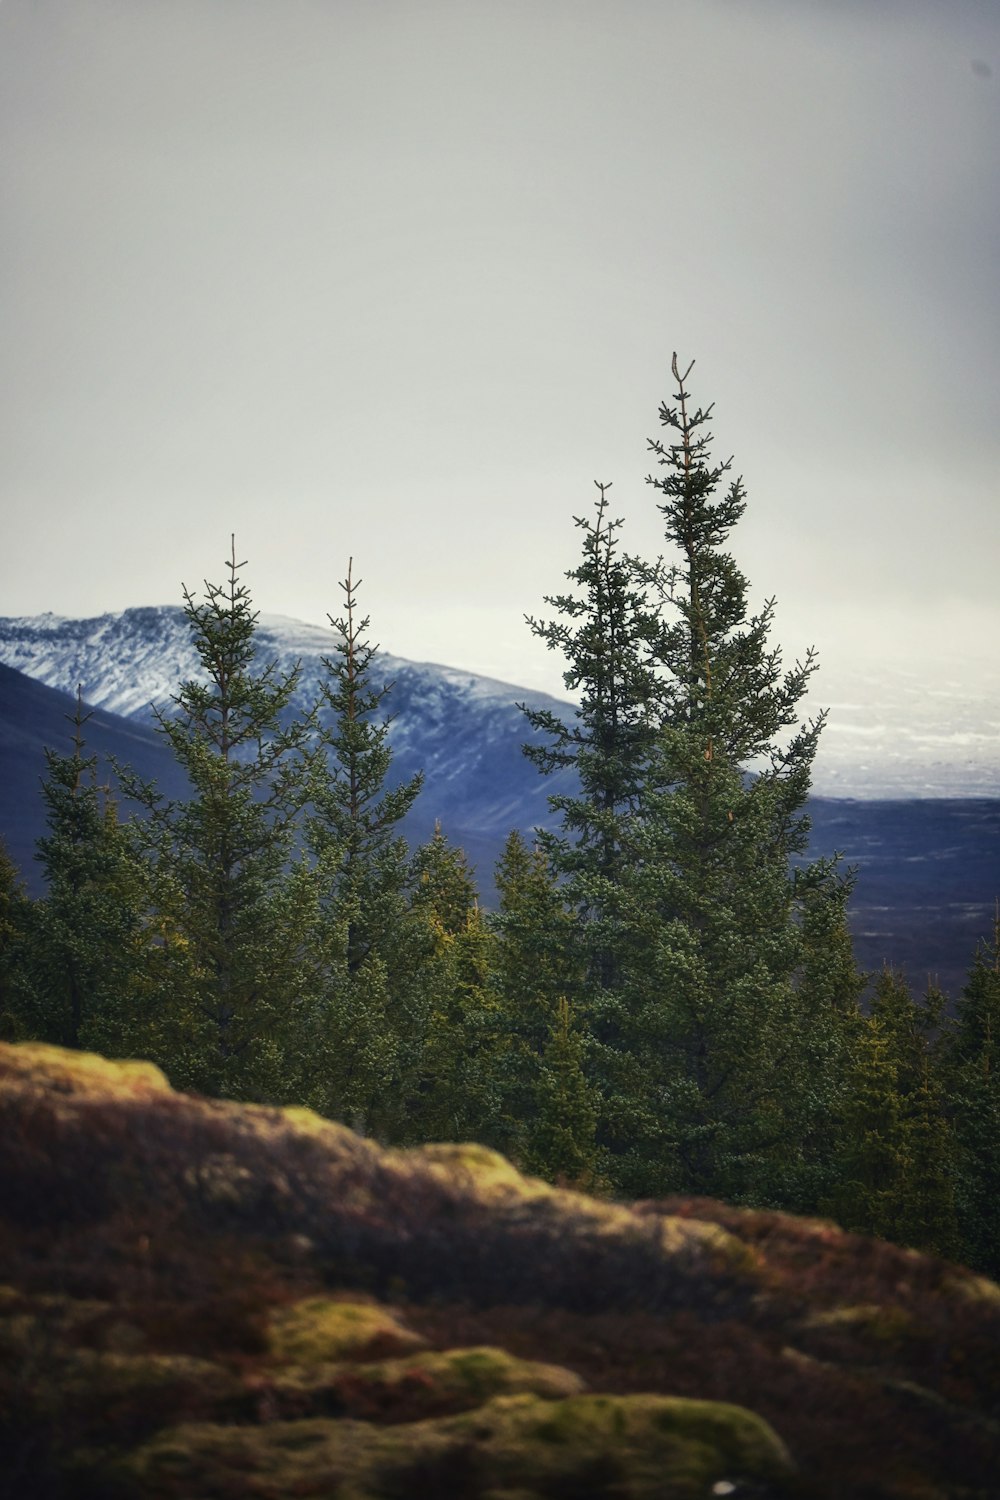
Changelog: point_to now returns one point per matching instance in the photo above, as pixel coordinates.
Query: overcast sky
(402, 278)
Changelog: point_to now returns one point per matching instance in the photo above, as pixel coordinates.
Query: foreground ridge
(206, 1298)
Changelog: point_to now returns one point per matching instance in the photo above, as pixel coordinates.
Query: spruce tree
(716, 887)
(971, 1074)
(444, 889)
(451, 1001)
(605, 629)
(357, 813)
(548, 1109)
(364, 1033)
(231, 897)
(561, 1144)
(15, 919)
(685, 848)
(829, 986)
(872, 1161)
(929, 1213)
(82, 954)
(537, 953)
(894, 1167)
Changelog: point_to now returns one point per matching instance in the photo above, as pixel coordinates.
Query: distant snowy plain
(891, 732)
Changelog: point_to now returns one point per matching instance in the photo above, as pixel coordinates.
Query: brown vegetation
(213, 1299)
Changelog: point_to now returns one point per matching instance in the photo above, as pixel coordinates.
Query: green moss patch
(320, 1330)
(432, 1383)
(886, 1325)
(972, 1288)
(59, 1069)
(488, 1174)
(585, 1446)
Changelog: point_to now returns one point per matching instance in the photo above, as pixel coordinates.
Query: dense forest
(665, 999)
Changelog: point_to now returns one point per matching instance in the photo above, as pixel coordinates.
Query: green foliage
(895, 1161)
(682, 852)
(548, 1102)
(15, 916)
(606, 634)
(502, 1055)
(562, 1140)
(606, 648)
(239, 913)
(537, 954)
(364, 1031)
(971, 1071)
(444, 890)
(666, 1000)
(828, 987)
(80, 972)
(353, 830)
(455, 1091)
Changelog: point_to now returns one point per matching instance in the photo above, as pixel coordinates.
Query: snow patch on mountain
(891, 732)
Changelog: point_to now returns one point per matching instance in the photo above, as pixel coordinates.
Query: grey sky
(402, 279)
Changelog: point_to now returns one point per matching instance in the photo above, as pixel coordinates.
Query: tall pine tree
(605, 629)
(455, 1090)
(15, 919)
(365, 1032)
(895, 1157)
(231, 897)
(548, 1109)
(685, 846)
(716, 887)
(82, 970)
(971, 1073)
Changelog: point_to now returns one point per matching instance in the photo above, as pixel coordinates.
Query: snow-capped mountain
(891, 732)
(913, 769)
(463, 731)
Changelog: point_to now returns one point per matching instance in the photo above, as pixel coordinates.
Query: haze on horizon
(401, 281)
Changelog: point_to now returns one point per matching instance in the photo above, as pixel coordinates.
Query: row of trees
(665, 999)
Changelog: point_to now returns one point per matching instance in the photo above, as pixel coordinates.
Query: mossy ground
(325, 1329)
(638, 1446)
(205, 1299)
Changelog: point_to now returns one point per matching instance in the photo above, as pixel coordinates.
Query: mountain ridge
(929, 867)
(890, 734)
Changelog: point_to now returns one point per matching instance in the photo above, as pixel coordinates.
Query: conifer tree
(15, 918)
(927, 1206)
(605, 629)
(872, 1161)
(548, 1112)
(689, 847)
(456, 1090)
(716, 894)
(829, 986)
(444, 888)
(236, 905)
(537, 952)
(364, 1032)
(895, 1165)
(355, 827)
(971, 1076)
(82, 950)
(928, 1217)
(562, 1143)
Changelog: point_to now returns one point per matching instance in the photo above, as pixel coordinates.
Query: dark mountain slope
(928, 870)
(33, 716)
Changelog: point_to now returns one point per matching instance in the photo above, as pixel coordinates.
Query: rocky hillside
(215, 1300)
